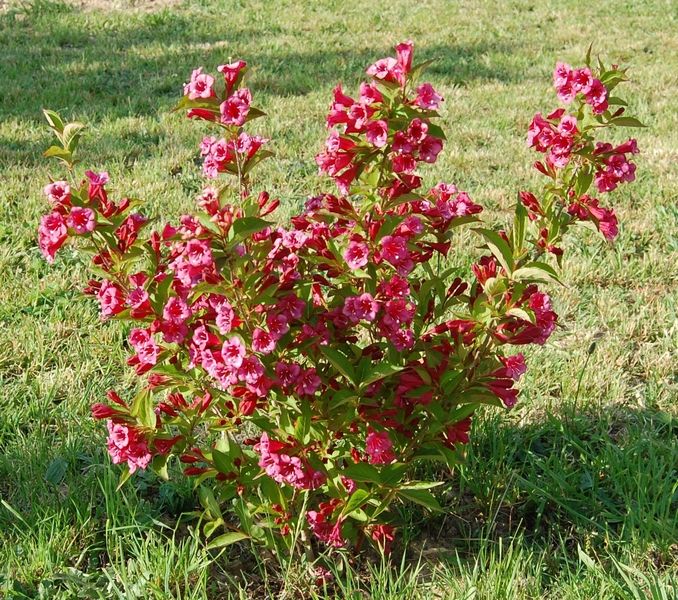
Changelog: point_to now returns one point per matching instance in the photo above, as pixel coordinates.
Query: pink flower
(369, 94)
(379, 448)
(514, 365)
(427, 98)
(430, 148)
(457, 433)
(387, 69)
(562, 81)
(82, 220)
(377, 133)
(126, 444)
(233, 352)
(231, 71)
(287, 374)
(282, 467)
(394, 250)
(628, 147)
(277, 325)
(503, 389)
(262, 341)
(350, 485)
(148, 353)
(357, 117)
(589, 209)
(383, 536)
(403, 163)
(249, 144)
(404, 52)
(540, 134)
(52, 233)
(225, 317)
(357, 254)
(568, 126)
(198, 253)
(235, 108)
(110, 298)
(605, 219)
(325, 530)
(251, 370)
(58, 193)
(200, 85)
(176, 310)
(358, 308)
(582, 80)
(173, 332)
(540, 303)
(308, 382)
(397, 312)
(402, 339)
(396, 287)
(605, 181)
(597, 97)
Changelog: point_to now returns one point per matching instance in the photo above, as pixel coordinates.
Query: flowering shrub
(299, 372)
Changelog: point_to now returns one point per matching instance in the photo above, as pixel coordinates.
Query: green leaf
(423, 497)
(392, 474)
(421, 485)
(626, 122)
(207, 222)
(587, 60)
(211, 526)
(357, 499)
(124, 477)
(340, 362)
(583, 182)
(56, 471)
(537, 271)
(519, 226)
(498, 247)
(246, 226)
(254, 113)
(57, 152)
(302, 428)
(54, 121)
(436, 131)
(615, 101)
(159, 466)
(340, 398)
(71, 135)
(227, 539)
(363, 472)
(450, 380)
(209, 502)
(480, 395)
(521, 314)
(418, 69)
(222, 461)
(378, 371)
(211, 104)
(142, 408)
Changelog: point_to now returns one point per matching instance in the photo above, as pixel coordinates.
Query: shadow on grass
(96, 66)
(596, 480)
(599, 479)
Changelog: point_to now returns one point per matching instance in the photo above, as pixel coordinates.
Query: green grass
(571, 495)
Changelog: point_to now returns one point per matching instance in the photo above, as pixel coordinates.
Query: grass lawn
(572, 495)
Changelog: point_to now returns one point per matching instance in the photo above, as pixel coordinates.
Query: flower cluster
(574, 158)
(386, 132)
(299, 370)
(570, 83)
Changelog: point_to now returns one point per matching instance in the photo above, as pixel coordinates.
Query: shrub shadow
(585, 477)
(96, 69)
